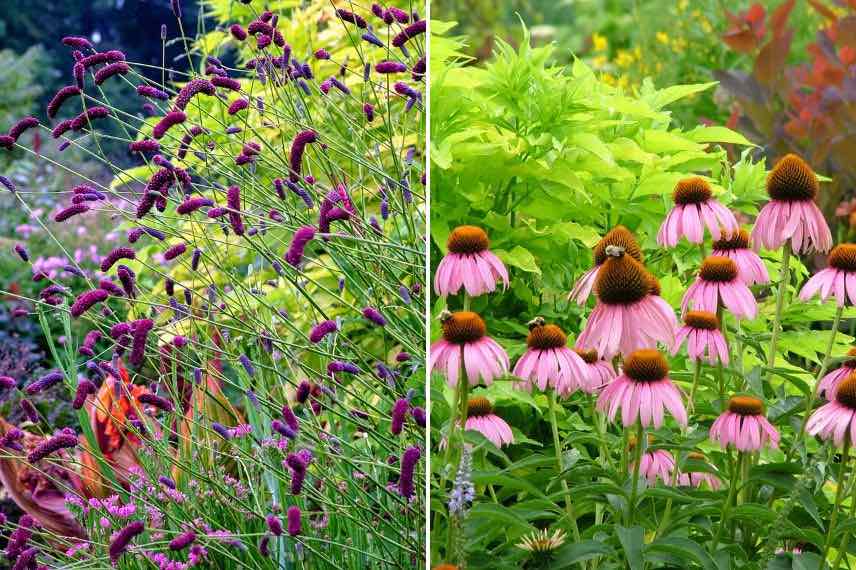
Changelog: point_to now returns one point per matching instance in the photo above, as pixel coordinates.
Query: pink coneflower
(698, 478)
(549, 363)
(829, 383)
(465, 337)
(627, 316)
(480, 418)
(643, 391)
(838, 280)
(717, 281)
(694, 209)
(701, 331)
(791, 213)
(654, 463)
(749, 266)
(469, 264)
(600, 371)
(617, 236)
(744, 426)
(836, 419)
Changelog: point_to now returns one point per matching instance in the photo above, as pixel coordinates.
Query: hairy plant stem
(784, 280)
(726, 508)
(696, 376)
(637, 459)
(569, 504)
(810, 397)
(839, 494)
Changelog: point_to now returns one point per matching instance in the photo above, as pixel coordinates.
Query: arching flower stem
(637, 460)
(839, 495)
(734, 485)
(784, 280)
(569, 505)
(810, 397)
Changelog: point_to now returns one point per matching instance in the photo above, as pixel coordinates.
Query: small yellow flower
(663, 38)
(608, 79)
(624, 58)
(683, 5)
(599, 42)
(599, 61)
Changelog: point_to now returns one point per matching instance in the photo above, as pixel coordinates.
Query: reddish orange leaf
(779, 17)
(823, 10)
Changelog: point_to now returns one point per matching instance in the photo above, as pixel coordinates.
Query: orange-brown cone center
(478, 406)
(463, 327)
(792, 179)
(621, 237)
(843, 257)
(718, 269)
(621, 281)
(693, 190)
(846, 393)
(653, 285)
(467, 239)
(646, 365)
(746, 405)
(852, 362)
(588, 356)
(544, 337)
(738, 240)
(702, 320)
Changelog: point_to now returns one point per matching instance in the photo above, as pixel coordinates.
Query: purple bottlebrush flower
(222, 430)
(247, 364)
(419, 417)
(372, 39)
(282, 429)
(10, 186)
(156, 401)
(21, 126)
(293, 515)
(192, 204)
(30, 411)
(290, 418)
(368, 110)
(233, 200)
(63, 440)
(78, 71)
(176, 8)
(22, 252)
(84, 119)
(183, 540)
(99, 58)
(73, 210)
(141, 329)
(321, 330)
(274, 525)
(295, 251)
(110, 287)
(87, 300)
(340, 86)
(303, 391)
(191, 89)
(26, 560)
(194, 259)
(92, 337)
(408, 465)
(399, 414)
(19, 537)
(278, 187)
(298, 146)
(195, 131)
(124, 537)
(263, 41)
(400, 15)
(77, 42)
(61, 97)
(127, 277)
(348, 16)
(238, 105)
(7, 382)
(152, 92)
(322, 53)
(402, 357)
(61, 128)
(218, 212)
(259, 27)
(238, 32)
(174, 251)
(167, 122)
(108, 71)
(408, 33)
(342, 366)
(390, 67)
(84, 389)
(374, 316)
(264, 546)
(419, 69)
(297, 464)
(226, 82)
(44, 382)
(116, 255)
(145, 145)
(7, 142)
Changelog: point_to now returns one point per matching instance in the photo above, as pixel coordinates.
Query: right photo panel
(643, 273)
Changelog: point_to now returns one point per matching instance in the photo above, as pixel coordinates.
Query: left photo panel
(212, 284)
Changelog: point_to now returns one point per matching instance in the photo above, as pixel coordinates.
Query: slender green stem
(842, 549)
(637, 459)
(667, 513)
(459, 410)
(726, 508)
(696, 376)
(784, 280)
(839, 494)
(810, 397)
(569, 505)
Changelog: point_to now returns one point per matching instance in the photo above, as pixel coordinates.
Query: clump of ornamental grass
(245, 360)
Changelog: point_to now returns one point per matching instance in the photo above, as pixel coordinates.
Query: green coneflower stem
(667, 514)
(569, 505)
(637, 459)
(842, 549)
(696, 376)
(784, 280)
(810, 397)
(459, 415)
(839, 494)
(726, 508)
